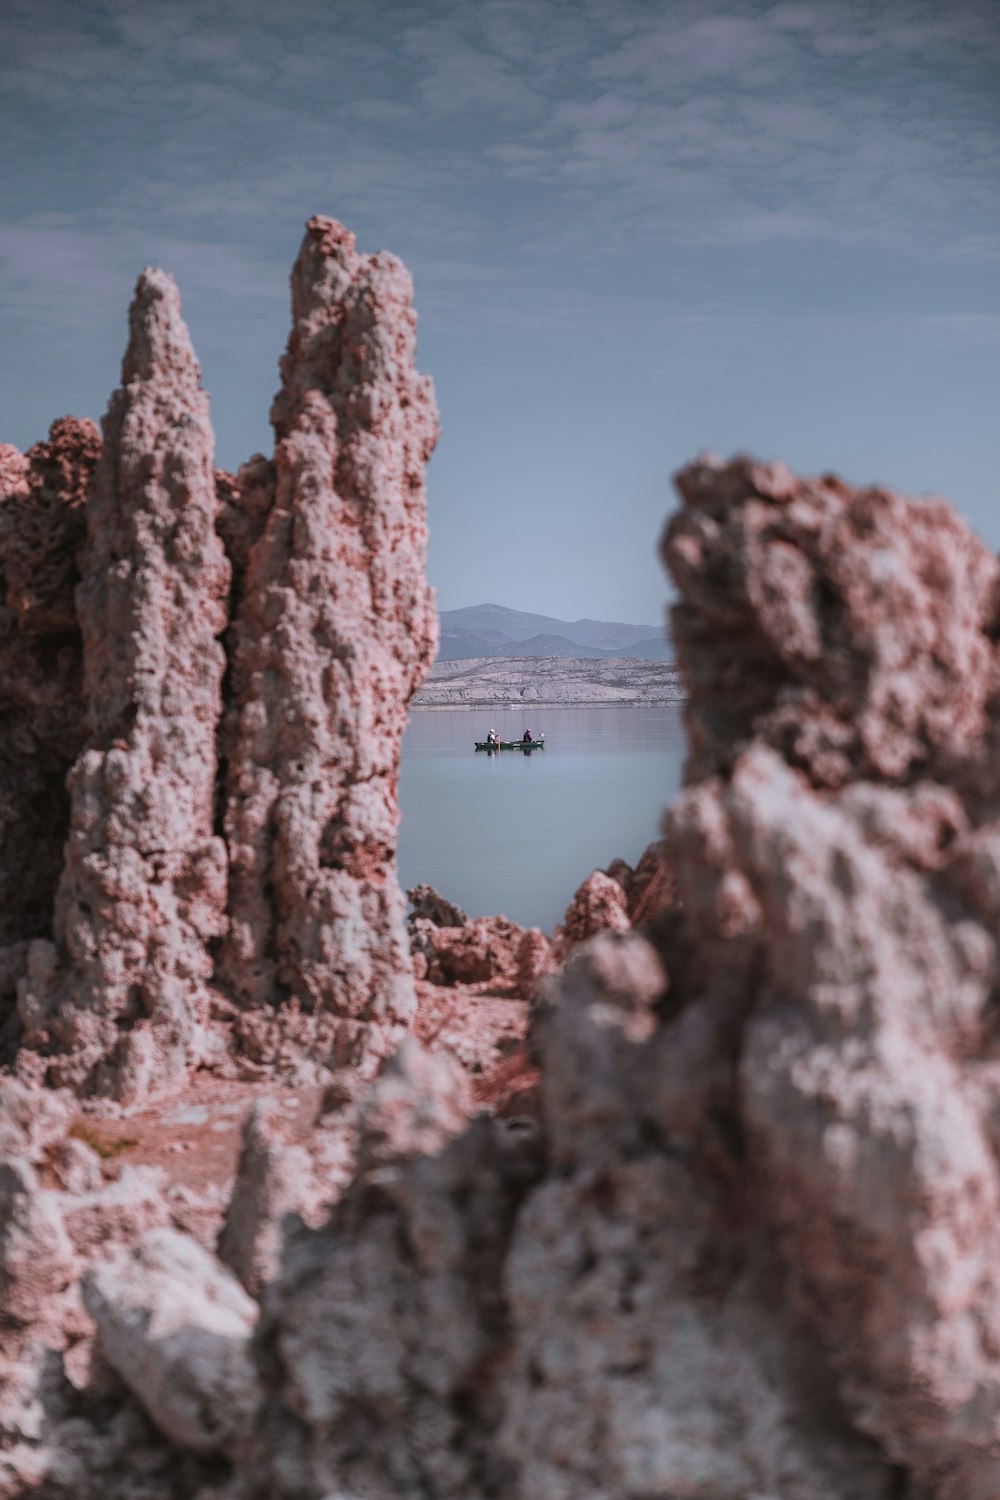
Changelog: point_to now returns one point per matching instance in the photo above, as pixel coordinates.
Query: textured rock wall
(334, 630)
(42, 495)
(838, 855)
(119, 1000)
(589, 1309)
(316, 628)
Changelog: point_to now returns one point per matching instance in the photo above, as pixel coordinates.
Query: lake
(516, 834)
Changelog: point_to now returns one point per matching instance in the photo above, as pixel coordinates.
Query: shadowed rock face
(849, 629)
(838, 856)
(334, 630)
(120, 999)
(42, 526)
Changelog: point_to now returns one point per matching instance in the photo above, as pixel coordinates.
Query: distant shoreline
(540, 703)
(537, 682)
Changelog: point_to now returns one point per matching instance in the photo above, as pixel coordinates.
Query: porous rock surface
(584, 1310)
(837, 854)
(221, 877)
(42, 705)
(334, 630)
(118, 1001)
(176, 1325)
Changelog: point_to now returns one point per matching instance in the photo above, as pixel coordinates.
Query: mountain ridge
(486, 630)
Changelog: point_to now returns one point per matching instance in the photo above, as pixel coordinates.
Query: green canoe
(512, 745)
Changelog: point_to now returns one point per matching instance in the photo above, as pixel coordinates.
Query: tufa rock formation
(334, 631)
(754, 1248)
(838, 854)
(119, 999)
(193, 888)
(742, 1239)
(42, 711)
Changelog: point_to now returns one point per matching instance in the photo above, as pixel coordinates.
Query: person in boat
(527, 737)
(491, 738)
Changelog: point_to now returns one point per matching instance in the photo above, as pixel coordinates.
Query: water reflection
(516, 831)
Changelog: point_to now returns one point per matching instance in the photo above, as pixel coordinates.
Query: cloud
(525, 140)
(900, 150)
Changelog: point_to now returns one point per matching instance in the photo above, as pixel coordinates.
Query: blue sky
(638, 229)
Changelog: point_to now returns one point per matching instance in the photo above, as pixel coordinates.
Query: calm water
(516, 833)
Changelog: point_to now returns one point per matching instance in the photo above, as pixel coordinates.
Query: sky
(638, 229)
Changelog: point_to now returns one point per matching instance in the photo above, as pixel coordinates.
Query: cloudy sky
(638, 229)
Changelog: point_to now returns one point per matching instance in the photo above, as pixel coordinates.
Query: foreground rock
(764, 1201)
(837, 862)
(177, 1328)
(586, 1312)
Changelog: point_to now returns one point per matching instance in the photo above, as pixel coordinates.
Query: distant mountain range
(493, 630)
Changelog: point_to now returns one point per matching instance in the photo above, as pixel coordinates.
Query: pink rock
(650, 889)
(176, 1325)
(37, 1261)
(334, 631)
(535, 962)
(32, 1120)
(845, 627)
(419, 1102)
(595, 1313)
(42, 708)
(485, 951)
(838, 881)
(275, 1178)
(245, 499)
(427, 904)
(120, 1002)
(600, 905)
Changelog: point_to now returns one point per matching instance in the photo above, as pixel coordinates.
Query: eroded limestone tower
(296, 913)
(334, 630)
(118, 1000)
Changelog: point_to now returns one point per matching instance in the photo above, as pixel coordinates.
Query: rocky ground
(549, 682)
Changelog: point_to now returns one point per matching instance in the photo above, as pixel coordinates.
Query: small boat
(538, 744)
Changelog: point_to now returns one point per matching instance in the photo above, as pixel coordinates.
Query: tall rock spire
(335, 630)
(118, 1000)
